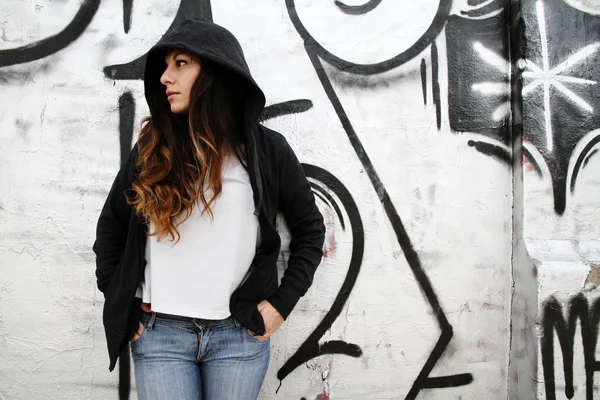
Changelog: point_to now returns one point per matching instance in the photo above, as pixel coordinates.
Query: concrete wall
(401, 112)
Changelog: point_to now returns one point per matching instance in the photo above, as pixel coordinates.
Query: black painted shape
(126, 120)
(330, 200)
(286, 108)
(124, 374)
(410, 254)
(135, 69)
(435, 81)
(553, 320)
(471, 110)
(479, 12)
(311, 347)
(369, 69)
(587, 159)
(583, 159)
(320, 196)
(54, 43)
(127, 8)
(358, 10)
(448, 381)
(568, 31)
(424, 80)
(493, 150)
(532, 160)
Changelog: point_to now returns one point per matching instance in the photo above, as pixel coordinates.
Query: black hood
(208, 41)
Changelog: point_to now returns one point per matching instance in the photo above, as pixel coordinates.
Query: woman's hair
(178, 152)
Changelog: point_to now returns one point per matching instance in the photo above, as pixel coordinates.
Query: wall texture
(457, 191)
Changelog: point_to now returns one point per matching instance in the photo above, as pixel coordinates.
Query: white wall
(60, 152)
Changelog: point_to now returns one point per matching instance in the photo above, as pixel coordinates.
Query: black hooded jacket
(278, 183)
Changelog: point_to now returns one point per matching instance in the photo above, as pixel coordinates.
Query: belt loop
(150, 323)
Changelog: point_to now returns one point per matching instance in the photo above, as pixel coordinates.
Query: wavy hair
(178, 152)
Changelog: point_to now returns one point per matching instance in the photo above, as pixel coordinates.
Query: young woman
(186, 246)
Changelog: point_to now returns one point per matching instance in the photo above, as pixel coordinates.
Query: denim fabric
(180, 358)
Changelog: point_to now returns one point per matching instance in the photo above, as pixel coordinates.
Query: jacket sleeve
(113, 225)
(305, 222)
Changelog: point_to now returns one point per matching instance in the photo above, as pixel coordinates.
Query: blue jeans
(193, 359)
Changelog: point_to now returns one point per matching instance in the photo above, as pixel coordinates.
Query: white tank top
(196, 277)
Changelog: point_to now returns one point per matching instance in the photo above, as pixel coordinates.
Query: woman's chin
(178, 109)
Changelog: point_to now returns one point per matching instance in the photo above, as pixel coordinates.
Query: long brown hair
(179, 152)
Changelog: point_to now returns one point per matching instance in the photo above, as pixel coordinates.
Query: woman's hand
(147, 308)
(137, 335)
(272, 318)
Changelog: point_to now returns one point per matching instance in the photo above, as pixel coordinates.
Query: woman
(188, 270)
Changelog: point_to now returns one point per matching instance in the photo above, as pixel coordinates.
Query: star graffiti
(560, 71)
(546, 77)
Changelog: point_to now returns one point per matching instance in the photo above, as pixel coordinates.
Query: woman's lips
(171, 96)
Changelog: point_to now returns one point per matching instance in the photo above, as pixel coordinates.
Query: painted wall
(401, 113)
(561, 136)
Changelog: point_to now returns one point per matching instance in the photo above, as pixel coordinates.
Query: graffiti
(478, 76)
(559, 81)
(552, 320)
(285, 108)
(317, 55)
(126, 117)
(55, 43)
(478, 101)
(127, 9)
(311, 348)
(358, 10)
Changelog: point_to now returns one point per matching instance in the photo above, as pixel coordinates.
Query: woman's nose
(166, 78)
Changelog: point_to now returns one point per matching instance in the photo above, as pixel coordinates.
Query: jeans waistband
(150, 318)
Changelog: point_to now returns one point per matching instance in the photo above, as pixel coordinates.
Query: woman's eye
(179, 63)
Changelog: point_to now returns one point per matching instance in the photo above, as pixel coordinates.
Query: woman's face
(182, 70)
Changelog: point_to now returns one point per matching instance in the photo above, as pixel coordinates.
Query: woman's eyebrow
(179, 53)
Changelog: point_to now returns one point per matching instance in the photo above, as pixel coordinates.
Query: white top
(196, 276)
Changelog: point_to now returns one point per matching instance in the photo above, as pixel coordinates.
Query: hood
(208, 41)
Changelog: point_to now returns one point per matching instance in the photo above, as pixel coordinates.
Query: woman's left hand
(272, 318)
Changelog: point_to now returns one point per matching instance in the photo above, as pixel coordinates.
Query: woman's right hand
(147, 308)
(137, 335)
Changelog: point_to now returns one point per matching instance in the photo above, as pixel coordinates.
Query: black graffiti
(482, 8)
(370, 69)
(52, 44)
(126, 119)
(583, 158)
(424, 80)
(358, 10)
(315, 53)
(435, 81)
(127, 8)
(285, 108)
(527, 154)
(475, 50)
(311, 347)
(553, 321)
(573, 111)
(125, 374)
(492, 149)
